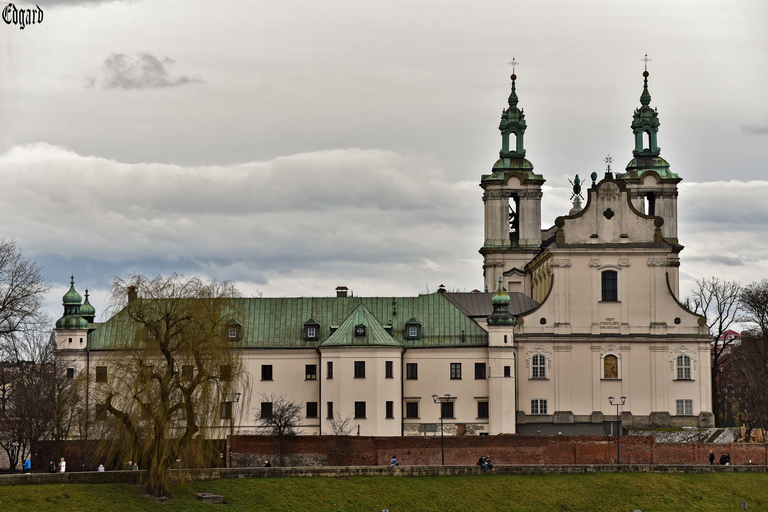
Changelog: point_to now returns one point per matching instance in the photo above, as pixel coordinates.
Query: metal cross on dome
(608, 161)
(646, 60)
(513, 63)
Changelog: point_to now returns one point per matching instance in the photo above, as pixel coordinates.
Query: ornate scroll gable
(538, 349)
(682, 350)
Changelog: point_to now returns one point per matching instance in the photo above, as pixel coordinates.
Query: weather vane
(644, 59)
(513, 63)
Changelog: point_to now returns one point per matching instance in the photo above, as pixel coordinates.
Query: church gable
(608, 218)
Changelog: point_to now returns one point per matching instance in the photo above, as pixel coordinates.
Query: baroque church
(585, 328)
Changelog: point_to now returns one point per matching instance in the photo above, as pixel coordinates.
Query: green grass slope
(589, 492)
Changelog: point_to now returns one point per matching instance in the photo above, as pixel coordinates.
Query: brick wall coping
(182, 475)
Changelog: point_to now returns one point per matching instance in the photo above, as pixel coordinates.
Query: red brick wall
(503, 449)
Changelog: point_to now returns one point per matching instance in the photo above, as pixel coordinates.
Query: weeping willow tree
(170, 380)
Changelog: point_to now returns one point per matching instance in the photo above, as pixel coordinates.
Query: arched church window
(610, 286)
(683, 364)
(610, 367)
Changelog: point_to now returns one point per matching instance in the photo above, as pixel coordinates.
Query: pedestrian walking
(711, 457)
(27, 465)
(62, 465)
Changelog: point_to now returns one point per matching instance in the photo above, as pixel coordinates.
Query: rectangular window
(413, 331)
(539, 366)
(482, 410)
(70, 373)
(225, 372)
(610, 285)
(389, 410)
(538, 406)
(455, 371)
(412, 410)
(446, 409)
(329, 407)
(480, 371)
(311, 332)
(359, 410)
(266, 410)
(266, 372)
(388, 370)
(412, 371)
(684, 407)
(329, 370)
(359, 369)
(226, 410)
(232, 331)
(683, 364)
(310, 372)
(187, 372)
(311, 409)
(507, 371)
(101, 374)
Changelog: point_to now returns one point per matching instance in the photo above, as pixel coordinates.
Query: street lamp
(447, 398)
(232, 425)
(618, 424)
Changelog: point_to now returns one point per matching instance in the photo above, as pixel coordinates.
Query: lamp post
(447, 398)
(232, 426)
(618, 424)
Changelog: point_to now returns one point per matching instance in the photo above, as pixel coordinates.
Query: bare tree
(170, 382)
(279, 416)
(22, 293)
(720, 302)
(341, 426)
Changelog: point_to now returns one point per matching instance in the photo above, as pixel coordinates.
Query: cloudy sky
(294, 146)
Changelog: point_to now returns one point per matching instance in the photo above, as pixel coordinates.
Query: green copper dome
(72, 302)
(72, 298)
(500, 297)
(87, 311)
(71, 322)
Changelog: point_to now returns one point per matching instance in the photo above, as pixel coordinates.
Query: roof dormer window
(233, 331)
(360, 330)
(311, 331)
(412, 329)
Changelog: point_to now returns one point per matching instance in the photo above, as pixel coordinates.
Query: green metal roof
(274, 323)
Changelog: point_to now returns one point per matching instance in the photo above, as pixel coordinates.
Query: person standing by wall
(62, 465)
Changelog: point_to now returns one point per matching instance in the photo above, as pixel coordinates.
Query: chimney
(341, 291)
(133, 294)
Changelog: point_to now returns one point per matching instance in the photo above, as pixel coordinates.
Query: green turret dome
(87, 311)
(501, 314)
(71, 322)
(72, 298)
(72, 302)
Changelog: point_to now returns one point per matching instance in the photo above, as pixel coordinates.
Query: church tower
(512, 197)
(653, 185)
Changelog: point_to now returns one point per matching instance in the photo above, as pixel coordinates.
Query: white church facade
(585, 315)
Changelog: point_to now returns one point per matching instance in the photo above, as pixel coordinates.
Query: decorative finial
(646, 60)
(576, 187)
(513, 63)
(72, 279)
(608, 161)
(594, 178)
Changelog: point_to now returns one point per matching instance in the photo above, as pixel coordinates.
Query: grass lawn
(590, 492)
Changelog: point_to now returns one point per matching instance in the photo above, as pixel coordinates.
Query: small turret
(501, 314)
(72, 302)
(87, 311)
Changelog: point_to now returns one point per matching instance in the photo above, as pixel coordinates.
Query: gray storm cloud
(145, 71)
